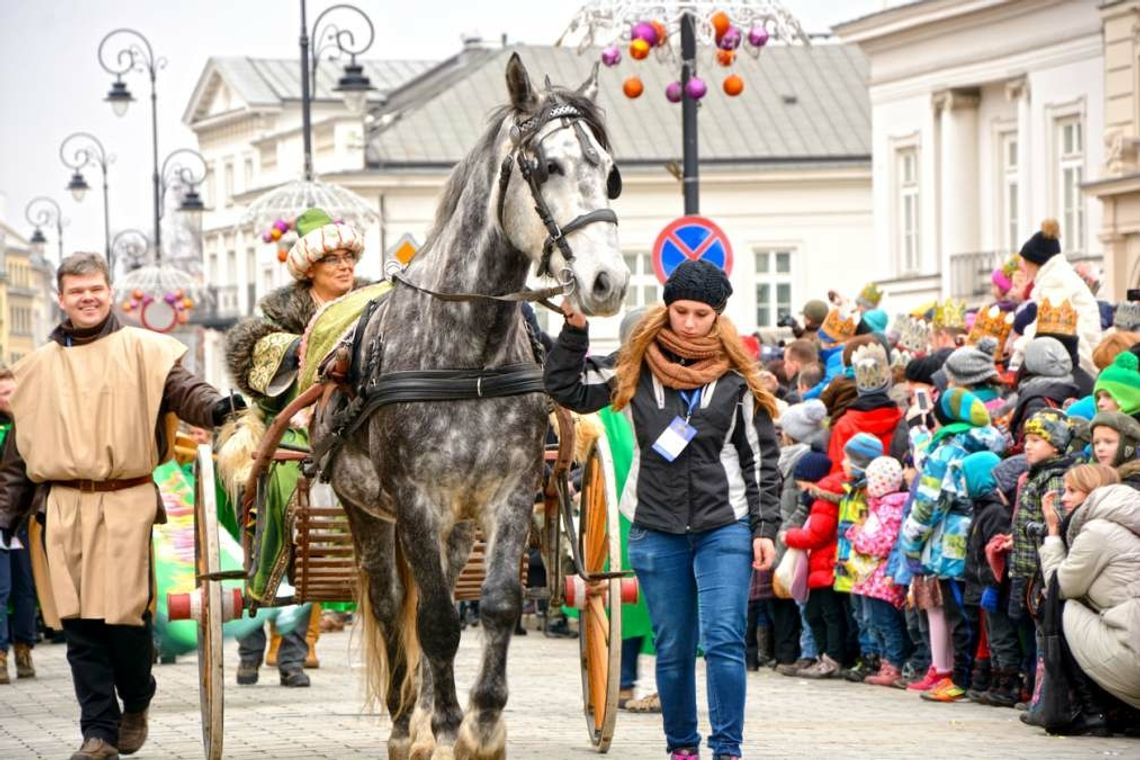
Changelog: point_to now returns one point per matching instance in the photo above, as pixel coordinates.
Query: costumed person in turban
(264, 358)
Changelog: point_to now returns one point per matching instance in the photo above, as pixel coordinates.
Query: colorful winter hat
(320, 236)
(1044, 244)
(959, 405)
(977, 473)
(884, 476)
(872, 370)
(873, 320)
(812, 467)
(1052, 426)
(1002, 277)
(861, 449)
(1121, 380)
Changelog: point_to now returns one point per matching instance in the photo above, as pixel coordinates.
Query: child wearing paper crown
(872, 543)
(859, 451)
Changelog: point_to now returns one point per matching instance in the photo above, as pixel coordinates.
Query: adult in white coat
(1055, 279)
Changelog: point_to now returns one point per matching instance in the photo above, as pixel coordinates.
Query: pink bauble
(757, 36)
(611, 56)
(282, 225)
(673, 92)
(170, 298)
(266, 237)
(696, 88)
(731, 39)
(147, 299)
(643, 30)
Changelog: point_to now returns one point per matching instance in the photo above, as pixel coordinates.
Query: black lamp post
(354, 85)
(40, 212)
(77, 151)
(130, 247)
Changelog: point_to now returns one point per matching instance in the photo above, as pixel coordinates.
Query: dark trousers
(290, 655)
(918, 629)
(827, 615)
(630, 650)
(17, 587)
(759, 616)
(106, 659)
(964, 633)
(1005, 647)
(888, 625)
(786, 629)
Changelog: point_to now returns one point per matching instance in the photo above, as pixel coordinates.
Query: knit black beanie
(698, 281)
(1044, 244)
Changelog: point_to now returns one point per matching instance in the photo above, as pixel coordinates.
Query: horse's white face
(574, 186)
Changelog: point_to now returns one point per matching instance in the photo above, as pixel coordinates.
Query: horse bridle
(530, 157)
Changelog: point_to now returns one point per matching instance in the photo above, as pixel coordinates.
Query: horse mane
(474, 167)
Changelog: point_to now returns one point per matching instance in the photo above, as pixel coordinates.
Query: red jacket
(818, 537)
(880, 423)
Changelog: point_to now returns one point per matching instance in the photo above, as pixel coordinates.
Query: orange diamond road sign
(404, 249)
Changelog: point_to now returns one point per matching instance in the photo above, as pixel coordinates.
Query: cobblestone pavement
(786, 717)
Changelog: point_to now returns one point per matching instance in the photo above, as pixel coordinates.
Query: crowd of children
(952, 481)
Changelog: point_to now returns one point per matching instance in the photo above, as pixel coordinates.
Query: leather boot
(1090, 720)
(295, 679)
(4, 668)
(765, 644)
(981, 678)
(132, 732)
(311, 636)
(24, 667)
(247, 672)
(1005, 689)
(95, 749)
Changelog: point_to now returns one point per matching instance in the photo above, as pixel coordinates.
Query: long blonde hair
(656, 318)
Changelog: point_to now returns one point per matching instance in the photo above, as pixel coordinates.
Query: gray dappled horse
(443, 468)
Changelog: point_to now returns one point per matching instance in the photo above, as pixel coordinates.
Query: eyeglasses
(337, 261)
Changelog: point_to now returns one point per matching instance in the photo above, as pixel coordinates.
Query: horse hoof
(443, 753)
(399, 749)
(422, 751)
(477, 743)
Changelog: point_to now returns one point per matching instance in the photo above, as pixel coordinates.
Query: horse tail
(377, 668)
(238, 441)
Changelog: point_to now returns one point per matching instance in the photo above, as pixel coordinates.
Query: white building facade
(987, 117)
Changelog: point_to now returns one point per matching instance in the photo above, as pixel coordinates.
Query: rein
(536, 296)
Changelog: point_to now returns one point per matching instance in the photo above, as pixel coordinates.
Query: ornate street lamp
(645, 26)
(130, 247)
(78, 151)
(41, 212)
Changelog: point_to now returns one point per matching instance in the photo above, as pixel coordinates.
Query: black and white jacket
(726, 473)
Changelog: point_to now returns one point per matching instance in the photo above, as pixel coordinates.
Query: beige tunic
(89, 413)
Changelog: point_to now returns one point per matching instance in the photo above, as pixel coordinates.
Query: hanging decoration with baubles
(745, 30)
(283, 232)
(161, 313)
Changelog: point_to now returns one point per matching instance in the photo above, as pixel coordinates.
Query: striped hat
(861, 450)
(320, 236)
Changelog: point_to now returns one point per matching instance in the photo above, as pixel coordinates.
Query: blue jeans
(696, 589)
(808, 648)
(890, 628)
(17, 586)
(869, 644)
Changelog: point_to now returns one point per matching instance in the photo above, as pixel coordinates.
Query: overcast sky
(51, 83)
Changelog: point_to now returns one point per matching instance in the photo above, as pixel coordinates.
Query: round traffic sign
(690, 238)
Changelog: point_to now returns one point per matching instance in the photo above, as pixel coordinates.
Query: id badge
(674, 439)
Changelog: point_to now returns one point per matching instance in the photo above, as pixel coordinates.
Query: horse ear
(519, 86)
(589, 88)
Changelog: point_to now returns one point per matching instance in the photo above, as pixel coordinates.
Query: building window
(247, 172)
(643, 285)
(1070, 172)
(773, 286)
(229, 187)
(906, 180)
(1008, 192)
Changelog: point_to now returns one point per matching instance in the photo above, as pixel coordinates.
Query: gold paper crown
(992, 322)
(837, 327)
(870, 296)
(950, 314)
(1056, 320)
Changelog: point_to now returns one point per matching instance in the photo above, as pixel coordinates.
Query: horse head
(556, 181)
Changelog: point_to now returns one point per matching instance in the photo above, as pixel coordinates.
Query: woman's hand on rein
(574, 318)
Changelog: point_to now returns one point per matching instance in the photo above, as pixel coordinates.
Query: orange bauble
(725, 57)
(662, 34)
(282, 254)
(733, 85)
(632, 87)
(720, 23)
(639, 49)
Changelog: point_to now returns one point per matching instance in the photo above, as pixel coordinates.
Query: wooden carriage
(324, 568)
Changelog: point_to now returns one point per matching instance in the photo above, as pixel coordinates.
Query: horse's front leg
(437, 622)
(483, 735)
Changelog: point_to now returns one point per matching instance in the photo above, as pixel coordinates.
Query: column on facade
(958, 227)
(1018, 90)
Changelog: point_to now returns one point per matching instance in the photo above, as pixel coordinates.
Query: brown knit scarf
(707, 354)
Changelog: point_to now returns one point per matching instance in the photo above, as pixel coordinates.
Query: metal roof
(270, 81)
(801, 105)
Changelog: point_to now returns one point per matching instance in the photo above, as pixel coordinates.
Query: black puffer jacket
(728, 472)
(991, 517)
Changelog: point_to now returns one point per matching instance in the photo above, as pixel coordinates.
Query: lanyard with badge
(676, 437)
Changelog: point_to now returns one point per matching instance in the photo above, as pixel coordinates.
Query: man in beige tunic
(89, 430)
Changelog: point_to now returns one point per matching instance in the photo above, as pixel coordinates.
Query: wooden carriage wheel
(600, 621)
(207, 560)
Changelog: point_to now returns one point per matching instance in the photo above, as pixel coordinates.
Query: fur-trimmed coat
(287, 309)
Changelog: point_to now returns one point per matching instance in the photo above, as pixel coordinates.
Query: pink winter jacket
(871, 544)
